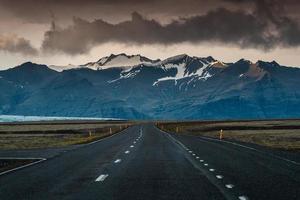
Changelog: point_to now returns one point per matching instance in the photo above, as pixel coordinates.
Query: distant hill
(136, 87)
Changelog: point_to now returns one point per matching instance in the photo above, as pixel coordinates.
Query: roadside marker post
(221, 134)
(90, 133)
(177, 129)
(110, 131)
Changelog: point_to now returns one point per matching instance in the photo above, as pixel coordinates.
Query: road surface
(143, 162)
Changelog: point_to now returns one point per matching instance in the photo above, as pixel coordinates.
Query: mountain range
(136, 87)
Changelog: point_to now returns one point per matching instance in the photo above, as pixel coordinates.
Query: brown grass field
(54, 134)
(277, 134)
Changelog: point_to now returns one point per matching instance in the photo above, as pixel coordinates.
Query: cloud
(39, 11)
(229, 27)
(15, 44)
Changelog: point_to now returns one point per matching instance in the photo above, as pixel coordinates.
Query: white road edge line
(250, 148)
(101, 178)
(23, 166)
(105, 138)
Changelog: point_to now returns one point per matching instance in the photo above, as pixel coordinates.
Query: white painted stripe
(127, 152)
(190, 151)
(23, 166)
(212, 170)
(229, 186)
(205, 164)
(243, 198)
(134, 142)
(117, 161)
(197, 157)
(201, 160)
(253, 149)
(102, 177)
(219, 176)
(105, 138)
(21, 158)
(131, 146)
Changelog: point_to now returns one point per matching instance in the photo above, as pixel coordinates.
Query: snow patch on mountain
(182, 72)
(120, 60)
(61, 68)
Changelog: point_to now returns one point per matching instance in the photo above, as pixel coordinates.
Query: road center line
(219, 176)
(117, 161)
(243, 198)
(229, 186)
(131, 146)
(127, 152)
(101, 178)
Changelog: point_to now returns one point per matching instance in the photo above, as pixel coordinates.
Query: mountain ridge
(179, 87)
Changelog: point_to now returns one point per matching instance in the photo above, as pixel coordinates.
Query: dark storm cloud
(14, 44)
(39, 11)
(246, 30)
(263, 24)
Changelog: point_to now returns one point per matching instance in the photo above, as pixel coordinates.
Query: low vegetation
(29, 136)
(277, 134)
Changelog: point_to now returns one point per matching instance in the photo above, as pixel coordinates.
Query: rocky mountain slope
(136, 87)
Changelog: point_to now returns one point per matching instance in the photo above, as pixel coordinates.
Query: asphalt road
(143, 162)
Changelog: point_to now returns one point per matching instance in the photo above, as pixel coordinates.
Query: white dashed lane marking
(117, 161)
(101, 178)
(131, 146)
(229, 186)
(127, 152)
(219, 176)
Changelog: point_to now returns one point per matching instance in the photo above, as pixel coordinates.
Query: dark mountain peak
(31, 67)
(210, 59)
(244, 61)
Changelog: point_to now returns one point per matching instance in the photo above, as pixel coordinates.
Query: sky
(62, 32)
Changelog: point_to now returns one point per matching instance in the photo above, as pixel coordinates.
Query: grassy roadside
(277, 134)
(47, 136)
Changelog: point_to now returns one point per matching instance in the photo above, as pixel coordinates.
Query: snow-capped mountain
(119, 60)
(135, 87)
